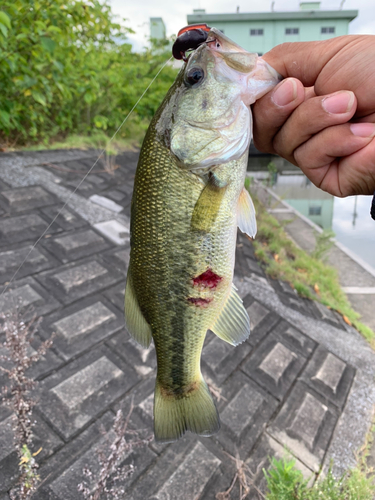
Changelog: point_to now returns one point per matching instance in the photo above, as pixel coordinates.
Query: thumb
(305, 60)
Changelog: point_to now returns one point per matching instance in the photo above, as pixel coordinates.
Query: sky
(174, 13)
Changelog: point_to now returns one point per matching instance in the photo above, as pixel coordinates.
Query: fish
(188, 200)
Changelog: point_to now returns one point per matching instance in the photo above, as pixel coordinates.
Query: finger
(310, 118)
(271, 111)
(339, 159)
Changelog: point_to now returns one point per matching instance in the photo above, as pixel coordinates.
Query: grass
(307, 274)
(285, 482)
(128, 138)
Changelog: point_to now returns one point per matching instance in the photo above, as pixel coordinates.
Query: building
(157, 28)
(260, 31)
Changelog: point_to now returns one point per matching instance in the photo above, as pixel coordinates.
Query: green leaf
(39, 97)
(4, 19)
(4, 117)
(3, 30)
(48, 44)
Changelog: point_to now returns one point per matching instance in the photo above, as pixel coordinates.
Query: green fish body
(188, 200)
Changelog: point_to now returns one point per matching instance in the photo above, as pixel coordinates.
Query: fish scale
(188, 199)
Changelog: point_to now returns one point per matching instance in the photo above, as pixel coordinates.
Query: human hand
(305, 118)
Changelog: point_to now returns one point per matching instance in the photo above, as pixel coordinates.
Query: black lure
(372, 211)
(189, 38)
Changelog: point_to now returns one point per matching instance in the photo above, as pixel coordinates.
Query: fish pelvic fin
(233, 323)
(246, 220)
(135, 322)
(193, 411)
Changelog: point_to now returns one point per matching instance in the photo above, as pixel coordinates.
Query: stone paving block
(116, 295)
(116, 195)
(106, 203)
(4, 186)
(77, 245)
(22, 228)
(329, 316)
(118, 258)
(143, 361)
(305, 425)
(243, 412)
(260, 459)
(184, 469)
(299, 342)
(65, 485)
(83, 389)
(82, 325)
(115, 231)
(28, 298)
(74, 281)
(329, 375)
(220, 359)
(43, 437)
(274, 365)
(11, 259)
(26, 198)
(66, 220)
(262, 320)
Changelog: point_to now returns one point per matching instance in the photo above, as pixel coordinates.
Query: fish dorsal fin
(208, 204)
(246, 220)
(135, 322)
(233, 324)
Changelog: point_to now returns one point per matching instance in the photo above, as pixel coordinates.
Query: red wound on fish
(207, 280)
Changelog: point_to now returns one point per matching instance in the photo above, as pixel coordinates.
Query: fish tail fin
(194, 411)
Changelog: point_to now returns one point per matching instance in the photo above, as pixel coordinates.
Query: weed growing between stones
(18, 337)
(111, 472)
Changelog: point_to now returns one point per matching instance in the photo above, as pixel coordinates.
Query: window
(314, 210)
(327, 29)
(292, 31)
(257, 32)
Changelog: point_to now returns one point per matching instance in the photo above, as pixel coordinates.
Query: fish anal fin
(135, 322)
(233, 324)
(246, 219)
(174, 415)
(208, 204)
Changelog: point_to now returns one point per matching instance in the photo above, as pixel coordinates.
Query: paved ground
(304, 379)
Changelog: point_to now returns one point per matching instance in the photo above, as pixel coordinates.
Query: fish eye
(194, 76)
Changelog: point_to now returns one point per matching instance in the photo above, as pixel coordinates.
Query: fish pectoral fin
(208, 204)
(135, 322)
(246, 220)
(233, 324)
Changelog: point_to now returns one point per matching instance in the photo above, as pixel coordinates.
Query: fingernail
(286, 93)
(339, 103)
(362, 129)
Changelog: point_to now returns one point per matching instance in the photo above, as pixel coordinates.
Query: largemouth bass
(188, 200)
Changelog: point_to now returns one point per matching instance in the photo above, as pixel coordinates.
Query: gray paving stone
(242, 413)
(11, 259)
(76, 245)
(26, 198)
(116, 195)
(106, 203)
(220, 359)
(74, 281)
(66, 220)
(260, 459)
(116, 295)
(305, 425)
(274, 366)
(298, 341)
(115, 231)
(119, 258)
(329, 375)
(21, 228)
(142, 360)
(262, 321)
(82, 325)
(28, 298)
(83, 389)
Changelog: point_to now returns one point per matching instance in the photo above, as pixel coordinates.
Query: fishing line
(82, 180)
